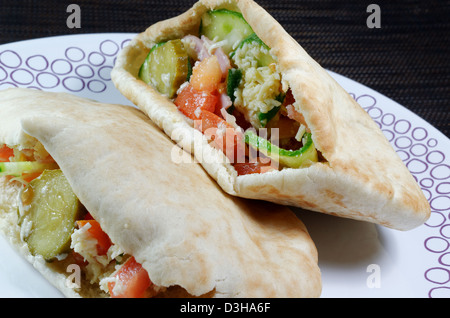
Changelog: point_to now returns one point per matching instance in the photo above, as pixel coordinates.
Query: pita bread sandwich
(91, 189)
(227, 83)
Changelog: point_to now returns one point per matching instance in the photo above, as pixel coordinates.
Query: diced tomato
(192, 102)
(289, 98)
(134, 278)
(103, 240)
(6, 153)
(206, 75)
(211, 120)
(225, 137)
(252, 167)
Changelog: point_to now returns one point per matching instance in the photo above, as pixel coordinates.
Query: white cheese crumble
(248, 55)
(257, 93)
(84, 244)
(260, 86)
(301, 131)
(118, 288)
(25, 228)
(211, 46)
(189, 45)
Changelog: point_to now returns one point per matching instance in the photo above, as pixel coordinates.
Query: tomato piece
(225, 137)
(206, 75)
(192, 102)
(247, 168)
(252, 167)
(211, 120)
(103, 240)
(134, 278)
(6, 153)
(289, 98)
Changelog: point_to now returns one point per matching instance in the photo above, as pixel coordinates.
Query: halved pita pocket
(329, 155)
(166, 222)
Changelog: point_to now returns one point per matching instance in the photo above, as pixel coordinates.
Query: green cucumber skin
(226, 11)
(223, 14)
(52, 212)
(264, 60)
(289, 158)
(254, 38)
(251, 38)
(221, 24)
(262, 143)
(143, 70)
(16, 169)
(151, 76)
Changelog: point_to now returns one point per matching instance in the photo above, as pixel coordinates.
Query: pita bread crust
(363, 178)
(119, 165)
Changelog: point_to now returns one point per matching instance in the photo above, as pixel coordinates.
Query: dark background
(407, 59)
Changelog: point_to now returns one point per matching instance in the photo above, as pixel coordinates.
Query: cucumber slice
(166, 67)
(223, 24)
(262, 56)
(289, 158)
(144, 71)
(17, 168)
(52, 208)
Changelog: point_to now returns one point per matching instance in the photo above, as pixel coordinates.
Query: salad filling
(57, 227)
(228, 83)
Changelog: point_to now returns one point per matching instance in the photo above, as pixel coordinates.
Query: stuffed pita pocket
(112, 202)
(225, 81)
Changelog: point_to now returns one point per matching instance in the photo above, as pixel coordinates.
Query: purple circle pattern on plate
(77, 69)
(429, 166)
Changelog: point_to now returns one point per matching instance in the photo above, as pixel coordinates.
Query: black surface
(407, 59)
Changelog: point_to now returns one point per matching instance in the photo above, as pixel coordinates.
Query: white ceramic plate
(357, 259)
